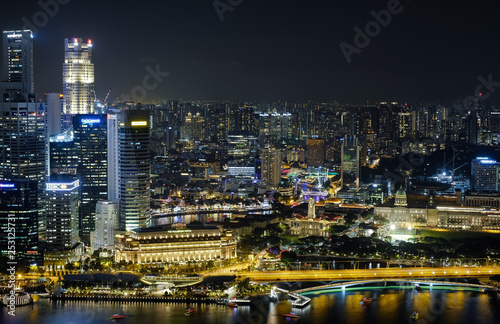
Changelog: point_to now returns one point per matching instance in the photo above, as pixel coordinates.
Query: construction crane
(107, 96)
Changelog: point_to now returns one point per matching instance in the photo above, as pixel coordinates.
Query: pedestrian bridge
(411, 283)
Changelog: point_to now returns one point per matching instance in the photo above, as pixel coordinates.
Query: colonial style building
(175, 243)
(311, 225)
(478, 214)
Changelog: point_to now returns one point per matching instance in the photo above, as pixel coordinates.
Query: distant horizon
(410, 51)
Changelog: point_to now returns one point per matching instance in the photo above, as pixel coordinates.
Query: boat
(117, 316)
(418, 288)
(232, 304)
(190, 311)
(365, 301)
(414, 316)
(19, 298)
(290, 315)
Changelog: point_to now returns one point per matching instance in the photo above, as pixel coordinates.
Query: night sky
(273, 49)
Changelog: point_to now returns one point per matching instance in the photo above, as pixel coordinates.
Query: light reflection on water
(388, 306)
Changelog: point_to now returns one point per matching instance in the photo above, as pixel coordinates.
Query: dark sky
(272, 49)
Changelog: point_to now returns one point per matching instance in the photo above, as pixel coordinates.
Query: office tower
(134, 169)
(19, 207)
(350, 163)
(17, 62)
(494, 122)
(91, 142)
(485, 174)
(106, 222)
(243, 119)
(242, 154)
(113, 125)
(194, 127)
(63, 155)
(315, 152)
(78, 78)
(62, 214)
(275, 126)
(54, 104)
(23, 147)
(271, 167)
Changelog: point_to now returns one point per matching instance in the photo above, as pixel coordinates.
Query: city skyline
(278, 51)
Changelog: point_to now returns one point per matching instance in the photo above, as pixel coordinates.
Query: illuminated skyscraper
(91, 143)
(315, 152)
(350, 163)
(271, 167)
(134, 169)
(485, 174)
(78, 78)
(17, 61)
(62, 214)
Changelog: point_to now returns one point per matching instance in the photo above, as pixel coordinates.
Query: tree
(288, 256)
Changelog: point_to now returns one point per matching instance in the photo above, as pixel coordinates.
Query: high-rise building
(315, 152)
(23, 147)
(62, 214)
(54, 103)
(113, 126)
(78, 78)
(63, 155)
(19, 217)
(485, 174)
(271, 167)
(17, 61)
(91, 143)
(242, 153)
(106, 222)
(134, 169)
(350, 163)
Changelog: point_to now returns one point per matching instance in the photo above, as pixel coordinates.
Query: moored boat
(118, 316)
(414, 316)
(231, 304)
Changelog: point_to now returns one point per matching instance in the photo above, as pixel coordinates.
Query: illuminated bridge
(424, 284)
(365, 274)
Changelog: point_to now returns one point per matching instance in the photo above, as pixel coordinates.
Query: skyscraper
(271, 167)
(62, 214)
(78, 78)
(22, 120)
(22, 147)
(91, 143)
(134, 169)
(315, 152)
(19, 207)
(485, 174)
(17, 61)
(350, 163)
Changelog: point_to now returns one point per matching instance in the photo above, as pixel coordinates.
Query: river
(389, 306)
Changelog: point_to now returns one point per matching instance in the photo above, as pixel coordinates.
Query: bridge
(363, 274)
(423, 283)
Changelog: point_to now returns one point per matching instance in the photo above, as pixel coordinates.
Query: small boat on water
(414, 316)
(290, 315)
(117, 316)
(366, 301)
(232, 304)
(418, 288)
(190, 311)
